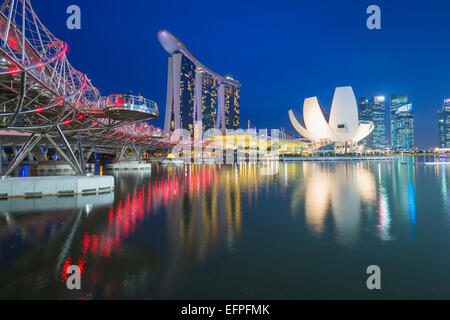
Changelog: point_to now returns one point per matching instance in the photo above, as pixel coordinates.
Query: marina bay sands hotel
(197, 97)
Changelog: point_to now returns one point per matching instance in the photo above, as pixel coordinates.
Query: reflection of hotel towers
(197, 97)
(204, 206)
(211, 211)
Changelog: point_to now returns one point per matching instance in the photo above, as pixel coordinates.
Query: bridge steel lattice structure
(43, 95)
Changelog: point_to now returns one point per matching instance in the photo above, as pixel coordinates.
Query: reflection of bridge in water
(201, 207)
(45, 102)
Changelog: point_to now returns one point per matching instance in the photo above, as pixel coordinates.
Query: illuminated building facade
(187, 78)
(444, 125)
(198, 99)
(404, 128)
(232, 104)
(366, 113)
(397, 101)
(374, 110)
(209, 102)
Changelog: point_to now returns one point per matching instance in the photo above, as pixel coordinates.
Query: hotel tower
(198, 99)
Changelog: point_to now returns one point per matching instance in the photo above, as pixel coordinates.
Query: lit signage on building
(406, 108)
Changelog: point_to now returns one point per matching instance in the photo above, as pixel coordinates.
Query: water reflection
(384, 224)
(200, 208)
(337, 192)
(338, 197)
(441, 172)
(34, 233)
(19, 206)
(167, 232)
(404, 190)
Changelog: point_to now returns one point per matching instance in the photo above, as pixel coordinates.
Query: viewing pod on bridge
(130, 108)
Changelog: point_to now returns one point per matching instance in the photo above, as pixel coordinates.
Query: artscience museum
(341, 126)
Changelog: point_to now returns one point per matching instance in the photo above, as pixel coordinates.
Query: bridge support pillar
(72, 162)
(29, 145)
(80, 150)
(124, 162)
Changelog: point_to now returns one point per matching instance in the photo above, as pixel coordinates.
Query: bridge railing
(127, 100)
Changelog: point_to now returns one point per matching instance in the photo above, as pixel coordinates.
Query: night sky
(281, 51)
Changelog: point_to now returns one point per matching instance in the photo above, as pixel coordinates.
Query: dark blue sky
(282, 51)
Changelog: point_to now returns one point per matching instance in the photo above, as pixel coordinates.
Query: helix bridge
(44, 96)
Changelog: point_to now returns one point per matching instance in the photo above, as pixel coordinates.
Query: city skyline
(271, 62)
(123, 177)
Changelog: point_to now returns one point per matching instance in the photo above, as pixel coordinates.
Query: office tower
(404, 128)
(366, 114)
(374, 110)
(397, 101)
(444, 125)
(379, 121)
(198, 99)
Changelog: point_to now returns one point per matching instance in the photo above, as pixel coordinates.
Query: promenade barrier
(54, 186)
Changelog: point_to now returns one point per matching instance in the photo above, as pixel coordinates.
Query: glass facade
(379, 121)
(404, 128)
(374, 110)
(444, 125)
(365, 114)
(397, 101)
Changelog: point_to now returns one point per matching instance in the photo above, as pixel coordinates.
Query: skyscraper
(444, 125)
(402, 123)
(366, 114)
(198, 99)
(397, 101)
(374, 110)
(404, 128)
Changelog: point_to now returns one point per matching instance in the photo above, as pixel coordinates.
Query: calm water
(292, 231)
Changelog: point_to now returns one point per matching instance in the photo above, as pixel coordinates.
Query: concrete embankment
(54, 186)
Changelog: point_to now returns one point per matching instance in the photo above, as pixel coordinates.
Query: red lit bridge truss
(42, 95)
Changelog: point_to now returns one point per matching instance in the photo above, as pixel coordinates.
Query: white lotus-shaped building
(341, 126)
